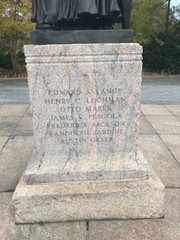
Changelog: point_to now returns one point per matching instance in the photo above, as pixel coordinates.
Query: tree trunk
(14, 61)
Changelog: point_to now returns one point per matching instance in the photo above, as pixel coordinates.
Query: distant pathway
(162, 90)
(14, 91)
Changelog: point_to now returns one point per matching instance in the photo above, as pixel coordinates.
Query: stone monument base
(90, 200)
(86, 163)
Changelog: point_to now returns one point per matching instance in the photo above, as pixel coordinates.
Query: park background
(156, 24)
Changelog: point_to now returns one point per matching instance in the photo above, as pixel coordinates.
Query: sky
(175, 2)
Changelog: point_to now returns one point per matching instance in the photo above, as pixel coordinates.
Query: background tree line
(148, 20)
(161, 52)
(15, 24)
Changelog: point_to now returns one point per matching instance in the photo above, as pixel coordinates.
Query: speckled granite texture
(95, 200)
(85, 103)
(86, 163)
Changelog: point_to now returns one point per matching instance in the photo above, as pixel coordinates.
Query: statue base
(89, 200)
(42, 37)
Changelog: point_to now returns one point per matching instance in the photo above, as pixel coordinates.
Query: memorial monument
(85, 100)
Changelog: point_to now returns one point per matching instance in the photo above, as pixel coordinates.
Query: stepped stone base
(86, 165)
(89, 200)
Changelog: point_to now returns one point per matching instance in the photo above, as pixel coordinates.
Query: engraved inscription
(85, 116)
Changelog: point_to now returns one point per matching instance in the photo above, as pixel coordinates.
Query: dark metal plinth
(42, 37)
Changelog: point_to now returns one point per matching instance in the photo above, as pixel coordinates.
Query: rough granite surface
(85, 105)
(50, 231)
(95, 200)
(86, 165)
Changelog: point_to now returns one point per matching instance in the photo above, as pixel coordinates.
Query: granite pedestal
(86, 163)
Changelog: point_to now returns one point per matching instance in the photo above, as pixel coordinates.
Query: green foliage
(5, 61)
(149, 21)
(160, 56)
(14, 28)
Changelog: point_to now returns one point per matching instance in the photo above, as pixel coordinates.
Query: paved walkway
(162, 90)
(160, 143)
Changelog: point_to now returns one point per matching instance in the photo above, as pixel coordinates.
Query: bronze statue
(80, 14)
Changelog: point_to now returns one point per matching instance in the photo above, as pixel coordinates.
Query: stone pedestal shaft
(85, 103)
